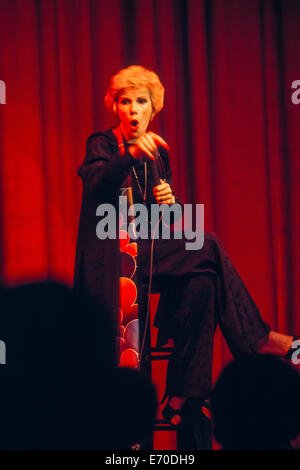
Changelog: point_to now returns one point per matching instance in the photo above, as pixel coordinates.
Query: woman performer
(199, 288)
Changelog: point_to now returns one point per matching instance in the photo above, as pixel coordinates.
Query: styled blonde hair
(135, 76)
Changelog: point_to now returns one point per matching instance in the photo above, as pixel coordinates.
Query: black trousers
(199, 289)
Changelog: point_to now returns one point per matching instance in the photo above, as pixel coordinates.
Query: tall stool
(154, 361)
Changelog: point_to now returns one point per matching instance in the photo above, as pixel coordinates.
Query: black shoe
(168, 412)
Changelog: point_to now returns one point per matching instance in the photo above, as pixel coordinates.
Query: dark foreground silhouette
(255, 404)
(59, 386)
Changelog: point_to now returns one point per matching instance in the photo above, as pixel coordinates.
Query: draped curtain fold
(227, 67)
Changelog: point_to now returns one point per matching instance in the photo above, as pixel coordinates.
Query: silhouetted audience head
(48, 326)
(255, 404)
(60, 387)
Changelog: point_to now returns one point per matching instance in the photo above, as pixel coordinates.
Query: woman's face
(134, 109)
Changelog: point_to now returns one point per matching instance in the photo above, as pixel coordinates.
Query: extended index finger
(159, 140)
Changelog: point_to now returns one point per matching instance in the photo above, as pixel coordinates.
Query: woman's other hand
(163, 193)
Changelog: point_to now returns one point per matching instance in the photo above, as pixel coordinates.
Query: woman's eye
(142, 100)
(125, 101)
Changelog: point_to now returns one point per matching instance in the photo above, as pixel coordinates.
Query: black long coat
(190, 304)
(97, 265)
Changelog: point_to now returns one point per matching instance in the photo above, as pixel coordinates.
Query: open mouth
(134, 123)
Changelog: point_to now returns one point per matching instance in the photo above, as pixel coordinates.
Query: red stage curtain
(227, 66)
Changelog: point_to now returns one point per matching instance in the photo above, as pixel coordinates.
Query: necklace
(143, 194)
